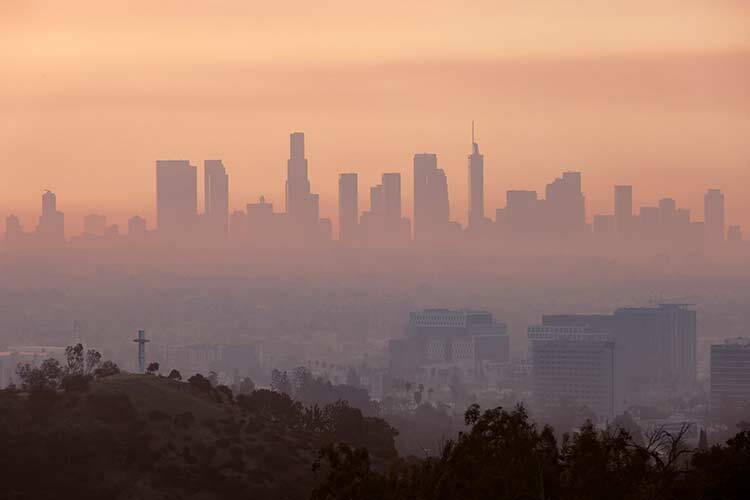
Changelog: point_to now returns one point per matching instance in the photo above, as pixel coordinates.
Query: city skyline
(630, 90)
(562, 207)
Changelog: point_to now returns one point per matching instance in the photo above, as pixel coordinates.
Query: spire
(474, 145)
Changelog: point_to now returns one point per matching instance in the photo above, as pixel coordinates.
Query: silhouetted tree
(152, 368)
(106, 369)
(174, 375)
(200, 382)
(47, 376)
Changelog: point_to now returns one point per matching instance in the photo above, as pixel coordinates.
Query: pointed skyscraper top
(474, 145)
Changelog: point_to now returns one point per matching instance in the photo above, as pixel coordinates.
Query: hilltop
(148, 437)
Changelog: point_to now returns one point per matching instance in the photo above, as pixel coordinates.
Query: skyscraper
(51, 228)
(13, 229)
(136, 227)
(392, 197)
(348, 206)
(216, 198)
(576, 364)
(624, 209)
(431, 206)
(299, 201)
(713, 203)
(176, 197)
(476, 184)
(730, 375)
(565, 203)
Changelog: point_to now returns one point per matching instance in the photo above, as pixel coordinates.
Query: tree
(174, 375)
(47, 376)
(92, 361)
(200, 382)
(152, 368)
(107, 369)
(74, 359)
(213, 378)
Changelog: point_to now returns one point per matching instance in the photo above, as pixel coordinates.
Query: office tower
(382, 225)
(730, 375)
(392, 197)
(51, 227)
(216, 198)
(624, 209)
(137, 227)
(263, 225)
(13, 229)
(604, 224)
(348, 207)
(573, 364)
(95, 224)
(648, 222)
(655, 345)
(734, 233)
(667, 216)
(301, 205)
(431, 206)
(713, 203)
(476, 184)
(238, 225)
(176, 197)
(442, 343)
(565, 205)
(521, 214)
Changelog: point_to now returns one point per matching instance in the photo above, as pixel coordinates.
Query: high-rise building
(565, 204)
(655, 346)
(382, 225)
(576, 365)
(734, 233)
(624, 209)
(648, 222)
(667, 216)
(730, 375)
(216, 198)
(431, 206)
(136, 227)
(713, 203)
(176, 197)
(442, 343)
(476, 184)
(51, 227)
(522, 212)
(95, 224)
(604, 224)
(392, 198)
(348, 207)
(238, 225)
(13, 229)
(301, 205)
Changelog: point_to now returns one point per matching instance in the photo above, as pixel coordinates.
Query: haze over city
(385, 251)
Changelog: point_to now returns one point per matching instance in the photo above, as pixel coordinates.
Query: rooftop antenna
(141, 341)
(472, 132)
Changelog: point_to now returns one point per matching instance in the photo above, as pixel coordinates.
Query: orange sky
(653, 93)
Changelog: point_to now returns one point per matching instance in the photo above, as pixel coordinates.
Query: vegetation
(81, 426)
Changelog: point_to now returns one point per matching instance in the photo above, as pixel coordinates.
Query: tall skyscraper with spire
(476, 184)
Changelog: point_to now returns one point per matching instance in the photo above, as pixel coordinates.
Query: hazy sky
(653, 93)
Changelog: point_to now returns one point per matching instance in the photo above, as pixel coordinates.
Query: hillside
(147, 437)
